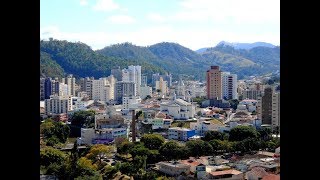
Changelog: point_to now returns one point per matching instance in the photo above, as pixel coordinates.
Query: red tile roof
(271, 177)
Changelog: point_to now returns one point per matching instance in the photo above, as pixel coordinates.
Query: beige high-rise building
(275, 110)
(71, 82)
(214, 85)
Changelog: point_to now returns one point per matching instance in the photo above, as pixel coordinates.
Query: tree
(199, 147)
(83, 118)
(265, 133)
(127, 168)
(240, 133)
(98, 152)
(210, 135)
(233, 103)
(139, 150)
(170, 151)
(54, 132)
(152, 141)
(124, 147)
(85, 167)
(50, 155)
(219, 146)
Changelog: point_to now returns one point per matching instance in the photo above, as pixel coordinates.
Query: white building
(162, 86)
(128, 102)
(145, 91)
(180, 134)
(91, 136)
(205, 124)
(103, 89)
(70, 81)
(58, 104)
(133, 74)
(63, 89)
(276, 109)
(82, 104)
(229, 85)
(178, 109)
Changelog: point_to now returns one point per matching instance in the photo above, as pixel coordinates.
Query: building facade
(229, 86)
(180, 134)
(214, 88)
(276, 110)
(132, 74)
(124, 89)
(58, 104)
(178, 109)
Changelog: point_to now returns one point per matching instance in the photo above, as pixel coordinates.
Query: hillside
(246, 46)
(79, 59)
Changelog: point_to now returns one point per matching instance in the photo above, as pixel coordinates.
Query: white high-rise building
(103, 89)
(133, 74)
(131, 101)
(58, 104)
(229, 85)
(71, 82)
(162, 86)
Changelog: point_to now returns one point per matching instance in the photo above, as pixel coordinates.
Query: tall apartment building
(162, 86)
(71, 82)
(145, 91)
(252, 94)
(166, 77)
(214, 85)
(229, 85)
(144, 80)
(124, 89)
(103, 89)
(58, 104)
(264, 106)
(47, 88)
(181, 90)
(276, 110)
(133, 74)
(42, 80)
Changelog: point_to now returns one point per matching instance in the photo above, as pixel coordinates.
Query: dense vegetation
(79, 59)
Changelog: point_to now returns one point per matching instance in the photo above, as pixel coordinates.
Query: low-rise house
(173, 168)
(101, 136)
(230, 174)
(192, 162)
(180, 134)
(205, 124)
(178, 109)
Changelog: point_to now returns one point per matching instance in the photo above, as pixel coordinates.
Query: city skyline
(101, 23)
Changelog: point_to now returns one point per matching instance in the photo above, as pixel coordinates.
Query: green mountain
(79, 59)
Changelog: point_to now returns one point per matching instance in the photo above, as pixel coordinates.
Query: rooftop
(230, 171)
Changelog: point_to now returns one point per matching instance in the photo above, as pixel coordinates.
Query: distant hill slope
(246, 45)
(79, 59)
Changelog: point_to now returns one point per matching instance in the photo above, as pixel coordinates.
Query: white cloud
(83, 2)
(190, 38)
(121, 19)
(155, 17)
(105, 5)
(241, 12)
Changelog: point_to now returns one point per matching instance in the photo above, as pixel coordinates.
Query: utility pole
(133, 126)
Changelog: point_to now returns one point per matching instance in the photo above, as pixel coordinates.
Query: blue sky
(192, 23)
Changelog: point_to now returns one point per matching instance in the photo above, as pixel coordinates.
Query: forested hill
(80, 60)
(63, 57)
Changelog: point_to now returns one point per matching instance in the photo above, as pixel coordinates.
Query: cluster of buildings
(164, 102)
(264, 166)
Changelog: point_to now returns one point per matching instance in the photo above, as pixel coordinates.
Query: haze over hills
(59, 57)
(246, 46)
